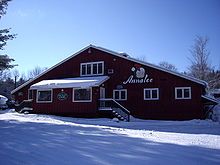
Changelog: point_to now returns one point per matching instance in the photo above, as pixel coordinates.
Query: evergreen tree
(5, 60)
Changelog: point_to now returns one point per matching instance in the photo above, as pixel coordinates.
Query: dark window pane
(147, 94)
(186, 93)
(82, 94)
(100, 68)
(95, 68)
(116, 95)
(30, 94)
(44, 95)
(83, 69)
(88, 68)
(123, 96)
(154, 94)
(179, 93)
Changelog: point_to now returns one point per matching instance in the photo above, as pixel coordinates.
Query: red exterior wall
(67, 107)
(164, 108)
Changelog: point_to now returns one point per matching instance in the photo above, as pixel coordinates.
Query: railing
(25, 104)
(117, 109)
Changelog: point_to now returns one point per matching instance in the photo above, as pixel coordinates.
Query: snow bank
(3, 100)
(43, 139)
(216, 113)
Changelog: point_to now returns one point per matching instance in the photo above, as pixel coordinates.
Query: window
(30, 94)
(82, 95)
(92, 68)
(183, 93)
(151, 94)
(120, 94)
(44, 96)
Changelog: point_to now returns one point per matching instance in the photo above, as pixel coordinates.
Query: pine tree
(5, 35)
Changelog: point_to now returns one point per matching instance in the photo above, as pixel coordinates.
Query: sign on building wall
(138, 76)
(62, 96)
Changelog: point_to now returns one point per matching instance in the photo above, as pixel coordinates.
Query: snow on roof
(79, 82)
(3, 97)
(210, 99)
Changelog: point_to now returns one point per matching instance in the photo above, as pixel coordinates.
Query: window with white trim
(30, 94)
(183, 93)
(151, 93)
(120, 94)
(44, 96)
(92, 68)
(82, 94)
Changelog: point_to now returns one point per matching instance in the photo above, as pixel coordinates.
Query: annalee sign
(139, 76)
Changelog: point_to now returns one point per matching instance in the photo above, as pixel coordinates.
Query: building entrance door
(102, 93)
(102, 96)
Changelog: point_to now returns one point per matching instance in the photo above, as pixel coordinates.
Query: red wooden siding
(167, 107)
(67, 107)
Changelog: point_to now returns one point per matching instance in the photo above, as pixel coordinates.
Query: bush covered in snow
(216, 113)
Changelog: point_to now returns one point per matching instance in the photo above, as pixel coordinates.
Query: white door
(102, 96)
(102, 93)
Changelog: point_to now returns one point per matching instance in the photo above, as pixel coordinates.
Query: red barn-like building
(98, 82)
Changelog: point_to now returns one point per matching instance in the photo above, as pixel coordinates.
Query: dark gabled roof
(119, 55)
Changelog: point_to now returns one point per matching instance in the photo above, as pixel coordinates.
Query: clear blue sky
(156, 30)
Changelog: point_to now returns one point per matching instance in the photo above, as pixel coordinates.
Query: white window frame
(30, 91)
(50, 101)
(183, 97)
(90, 100)
(120, 90)
(151, 89)
(92, 63)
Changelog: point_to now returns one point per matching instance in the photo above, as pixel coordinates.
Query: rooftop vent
(124, 54)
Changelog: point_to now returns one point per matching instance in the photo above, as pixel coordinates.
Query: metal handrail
(122, 108)
(24, 103)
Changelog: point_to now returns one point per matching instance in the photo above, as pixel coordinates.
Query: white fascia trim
(119, 55)
(46, 71)
(153, 66)
(211, 99)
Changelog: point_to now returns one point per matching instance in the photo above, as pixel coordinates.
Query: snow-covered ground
(42, 139)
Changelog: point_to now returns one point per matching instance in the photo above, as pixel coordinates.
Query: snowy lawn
(43, 139)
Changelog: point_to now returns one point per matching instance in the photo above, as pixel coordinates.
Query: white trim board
(118, 55)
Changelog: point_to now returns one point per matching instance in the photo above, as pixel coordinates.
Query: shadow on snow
(42, 143)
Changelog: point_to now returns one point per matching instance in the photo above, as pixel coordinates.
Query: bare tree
(15, 74)
(214, 79)
(35, 72)
(142, 58)
(200, 67)
(168, 66)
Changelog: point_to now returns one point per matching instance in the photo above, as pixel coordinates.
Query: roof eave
(210, 99)
(118, 55)
(153, 66)
(28, 82)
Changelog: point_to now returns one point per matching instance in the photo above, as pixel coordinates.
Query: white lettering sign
(139, 76)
